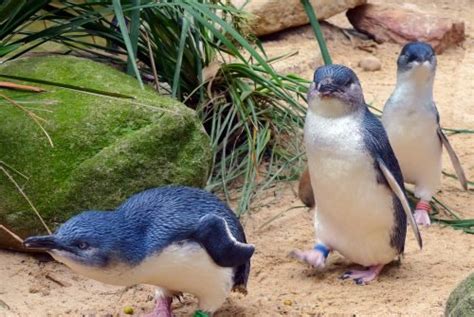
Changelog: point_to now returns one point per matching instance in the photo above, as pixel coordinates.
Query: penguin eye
(83, 245)
(411, 58)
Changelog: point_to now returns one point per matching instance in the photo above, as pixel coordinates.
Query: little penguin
(362, 208)
(178, 238)
(411, 120)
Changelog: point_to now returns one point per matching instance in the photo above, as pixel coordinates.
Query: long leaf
(308, 7)
(179, 59)
(123, 28)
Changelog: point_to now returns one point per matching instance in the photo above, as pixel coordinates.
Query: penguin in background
(411, 120)
(180, 239)
(362, 208)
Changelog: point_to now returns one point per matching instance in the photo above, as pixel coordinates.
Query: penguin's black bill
(41, 242)
(327, 89)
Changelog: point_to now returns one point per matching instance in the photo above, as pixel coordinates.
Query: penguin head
(417, 59)
(88, 239)
(335, 90)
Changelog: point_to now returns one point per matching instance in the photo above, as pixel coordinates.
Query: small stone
(370, 64)
(128, 310)
(288, 302)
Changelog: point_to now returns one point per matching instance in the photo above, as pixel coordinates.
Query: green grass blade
(123, 29)
(134, 33)
(456, 131)
(308, 7)
(68, 86)
(179, 58)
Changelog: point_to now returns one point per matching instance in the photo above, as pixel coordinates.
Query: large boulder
(105, 148)
(270, 16)
(398, 25)
(461, 301)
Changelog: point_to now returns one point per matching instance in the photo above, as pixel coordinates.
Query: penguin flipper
(401, 196)
(213, 233)
(454, 158)
(305, 190)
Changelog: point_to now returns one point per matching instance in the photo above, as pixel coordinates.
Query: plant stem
(308, 7)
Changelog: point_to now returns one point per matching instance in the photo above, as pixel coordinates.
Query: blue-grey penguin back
(171, 214)
(377, 143)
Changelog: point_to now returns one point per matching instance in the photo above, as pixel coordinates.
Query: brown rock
(370, 64)
(397, 25)
(270, 16)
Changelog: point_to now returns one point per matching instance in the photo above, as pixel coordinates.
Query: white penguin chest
(355, 214)
(181, 267)
(412, 131)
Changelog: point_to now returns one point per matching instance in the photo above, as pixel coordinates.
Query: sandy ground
(279, 285)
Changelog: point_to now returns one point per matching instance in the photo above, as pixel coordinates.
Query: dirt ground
(278, 285)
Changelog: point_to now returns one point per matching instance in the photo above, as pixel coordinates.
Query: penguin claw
(422, 217)
(346, 275)
(313, 257)
(362, 277)
(162, 308)
(359, 281)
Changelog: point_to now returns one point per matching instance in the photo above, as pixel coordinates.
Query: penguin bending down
(412, 123)
(361, 204)
(180, 239)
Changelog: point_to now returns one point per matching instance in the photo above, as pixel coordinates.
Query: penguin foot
(362, 277)
(162, 308)
(422, 217)
(313, 257)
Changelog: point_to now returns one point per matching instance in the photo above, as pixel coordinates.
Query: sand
(279, 285)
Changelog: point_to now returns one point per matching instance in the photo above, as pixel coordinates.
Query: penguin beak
(326, 89)
(42, 242)
(422, 60)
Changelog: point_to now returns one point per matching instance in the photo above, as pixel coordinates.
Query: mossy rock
(105, 148)
(461, 301)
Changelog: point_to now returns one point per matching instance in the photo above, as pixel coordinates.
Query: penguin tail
(213, 233)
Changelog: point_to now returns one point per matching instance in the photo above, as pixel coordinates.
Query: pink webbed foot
(421, 215)
(362, 277)
(315, 257)
(162, 308)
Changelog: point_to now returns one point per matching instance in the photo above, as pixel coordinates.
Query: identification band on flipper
(423, 205)
(322, 248)
(200, 313)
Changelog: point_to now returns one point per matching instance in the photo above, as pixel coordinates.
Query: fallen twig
(152, 61)
(32, 115)
(55, 280)
(18, 187)
(278, 215)
(9, 85)
(11, 233)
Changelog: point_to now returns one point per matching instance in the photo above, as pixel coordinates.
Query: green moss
(461, 301)
(105, 148)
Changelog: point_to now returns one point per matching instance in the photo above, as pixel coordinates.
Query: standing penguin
(180, 239)
(412, 123)
(357, 184)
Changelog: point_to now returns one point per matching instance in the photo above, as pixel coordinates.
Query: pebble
(370, 64)
(128, 310)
